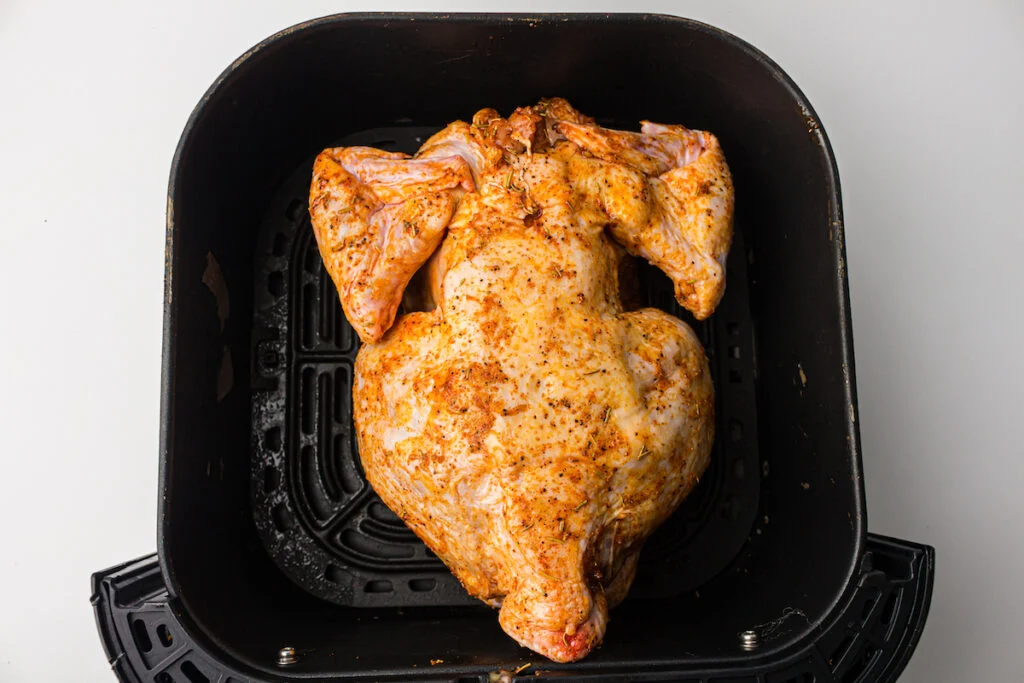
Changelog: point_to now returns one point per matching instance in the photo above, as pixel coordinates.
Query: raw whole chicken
(519, 419)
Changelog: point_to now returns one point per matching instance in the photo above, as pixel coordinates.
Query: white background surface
(922, 103)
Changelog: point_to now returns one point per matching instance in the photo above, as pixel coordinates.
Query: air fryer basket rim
(835, 211)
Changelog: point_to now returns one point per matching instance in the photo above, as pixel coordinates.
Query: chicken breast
(521, 422)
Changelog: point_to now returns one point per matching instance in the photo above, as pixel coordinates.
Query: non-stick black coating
(321, 81)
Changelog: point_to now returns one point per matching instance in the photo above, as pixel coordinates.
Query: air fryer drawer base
(868, 638)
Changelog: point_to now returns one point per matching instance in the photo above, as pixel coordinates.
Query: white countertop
(923, 106)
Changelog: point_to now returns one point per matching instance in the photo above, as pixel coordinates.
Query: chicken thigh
(522, 423)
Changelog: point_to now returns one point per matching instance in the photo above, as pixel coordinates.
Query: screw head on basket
(749, 640)
(286, 656)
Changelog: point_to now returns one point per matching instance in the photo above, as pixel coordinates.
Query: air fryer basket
(269, 535)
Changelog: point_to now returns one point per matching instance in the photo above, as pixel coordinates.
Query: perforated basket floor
(322, 523)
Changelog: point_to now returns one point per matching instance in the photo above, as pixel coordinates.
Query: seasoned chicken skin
(529, 429)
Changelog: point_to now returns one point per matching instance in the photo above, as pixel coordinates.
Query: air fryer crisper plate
(316, 514)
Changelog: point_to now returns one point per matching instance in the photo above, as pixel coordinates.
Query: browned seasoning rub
(524, 416)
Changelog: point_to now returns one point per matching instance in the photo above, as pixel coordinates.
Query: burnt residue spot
(213, 278)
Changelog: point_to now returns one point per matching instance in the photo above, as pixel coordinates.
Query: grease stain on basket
(168, 249)
(213, 278)
(809, 120)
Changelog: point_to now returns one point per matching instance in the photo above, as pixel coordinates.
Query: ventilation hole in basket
(343, 466)
(163, 634)
(734, 352)
(387, 145)
(326, 303)
(422, 585)
(336, 574)
(311, 262)
(309, 315)
(293, 210)
(382, 513)
(316, 496)
(275, 283)
(141, 636)
(280, 244)
(325, 444)
(732, 328)
(803, 678)
(860, 664)
(329, 464)
(272, 439)
(889, 611)
(735, 377)
(735, 430)
(342, 394)
(193, 674)
(308, 400)
(869, 606)
(283, 519)
(840, 652)
(374, 548)
(164, 677)
(378, 586)
(342, 330)
(728, 507)
(352, 480)
(271, 479)
(897, 569)
(738, 468)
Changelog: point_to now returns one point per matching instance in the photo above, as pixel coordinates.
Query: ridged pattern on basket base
(322, 523)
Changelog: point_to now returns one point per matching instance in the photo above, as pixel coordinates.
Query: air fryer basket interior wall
(316, 83)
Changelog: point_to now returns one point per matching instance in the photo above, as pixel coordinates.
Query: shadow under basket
(276, 560)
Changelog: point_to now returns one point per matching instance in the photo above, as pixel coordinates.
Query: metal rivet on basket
(286, 656)
(748, 640)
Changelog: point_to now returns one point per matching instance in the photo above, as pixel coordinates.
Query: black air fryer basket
(277, 561)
